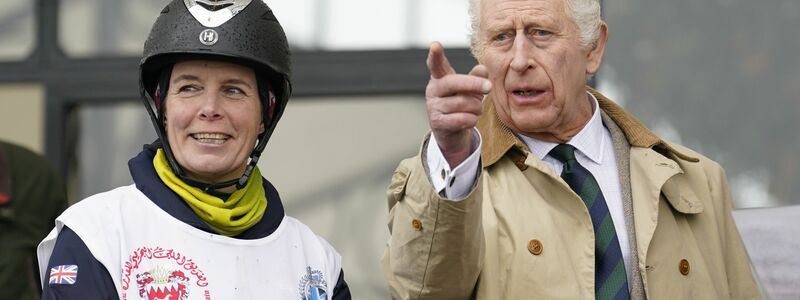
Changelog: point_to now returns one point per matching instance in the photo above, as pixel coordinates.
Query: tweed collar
(499, 140)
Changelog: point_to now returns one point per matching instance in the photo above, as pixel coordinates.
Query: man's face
(537, 66)
(213, 118)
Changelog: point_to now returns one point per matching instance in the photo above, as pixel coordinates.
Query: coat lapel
(649, 171)
(652, 175)
(679, 194)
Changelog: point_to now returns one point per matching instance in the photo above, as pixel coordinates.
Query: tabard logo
(155, 273)
(312, 286)
(209, 37)
(160, 283)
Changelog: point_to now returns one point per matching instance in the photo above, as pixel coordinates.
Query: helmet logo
(213, 13)
(209, 37)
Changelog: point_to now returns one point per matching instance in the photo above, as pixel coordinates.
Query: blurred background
(719, 76)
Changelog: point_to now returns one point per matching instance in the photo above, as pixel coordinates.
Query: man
(559, 193)
(31, 197)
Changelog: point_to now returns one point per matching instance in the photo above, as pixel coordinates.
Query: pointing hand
(454, 104)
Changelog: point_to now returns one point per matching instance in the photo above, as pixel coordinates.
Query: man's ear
(595, 55)
(261, 128)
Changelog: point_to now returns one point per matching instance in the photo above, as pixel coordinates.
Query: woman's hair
(584, 13)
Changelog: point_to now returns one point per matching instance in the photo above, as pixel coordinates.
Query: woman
(199, 222)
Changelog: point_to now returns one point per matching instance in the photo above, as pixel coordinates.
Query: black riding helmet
(244, 32)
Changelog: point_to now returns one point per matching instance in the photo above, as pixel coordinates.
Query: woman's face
(213, 118)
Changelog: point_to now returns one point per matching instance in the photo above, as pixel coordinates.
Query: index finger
(437, 62)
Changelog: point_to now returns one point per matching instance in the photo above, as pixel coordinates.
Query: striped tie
(611, 281)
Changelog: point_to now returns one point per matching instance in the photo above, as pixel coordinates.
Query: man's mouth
(211, 138)
(527, 93)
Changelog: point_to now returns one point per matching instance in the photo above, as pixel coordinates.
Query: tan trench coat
(523, 234)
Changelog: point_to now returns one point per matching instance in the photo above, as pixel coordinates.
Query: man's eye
(541, 33)
(502, 37)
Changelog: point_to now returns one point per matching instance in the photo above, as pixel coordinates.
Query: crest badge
(156, 273)
(160, 283)
(313, 285)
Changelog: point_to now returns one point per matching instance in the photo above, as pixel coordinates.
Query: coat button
(416, 224)
(535, 247)
(684, 267)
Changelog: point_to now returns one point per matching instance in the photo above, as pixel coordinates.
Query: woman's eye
(188, 89)
(235, 91)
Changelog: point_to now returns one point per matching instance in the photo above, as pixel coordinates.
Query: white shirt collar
(589, 141)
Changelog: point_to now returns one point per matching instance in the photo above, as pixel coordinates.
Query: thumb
(437, 62)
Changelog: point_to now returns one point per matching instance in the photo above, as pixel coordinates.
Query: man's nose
(522, 51)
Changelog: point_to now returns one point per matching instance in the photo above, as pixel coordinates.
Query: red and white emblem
(160, 283)
(160, 273)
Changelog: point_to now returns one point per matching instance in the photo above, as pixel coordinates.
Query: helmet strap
(157, 119)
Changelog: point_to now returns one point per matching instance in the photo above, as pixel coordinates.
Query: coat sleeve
(435, 249)
(741, 282)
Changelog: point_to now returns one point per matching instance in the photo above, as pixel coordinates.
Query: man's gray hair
(584, 13)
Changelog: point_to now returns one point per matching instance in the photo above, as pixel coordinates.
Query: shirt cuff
(458, 182)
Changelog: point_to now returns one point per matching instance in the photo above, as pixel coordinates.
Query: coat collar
(499, 140)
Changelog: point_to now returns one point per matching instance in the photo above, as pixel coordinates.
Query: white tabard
(151, 255)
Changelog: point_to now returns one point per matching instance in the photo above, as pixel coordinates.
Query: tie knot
(563, 152)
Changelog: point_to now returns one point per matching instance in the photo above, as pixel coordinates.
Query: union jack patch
(64, 274)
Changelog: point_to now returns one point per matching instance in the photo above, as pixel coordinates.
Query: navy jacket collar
(146, 180)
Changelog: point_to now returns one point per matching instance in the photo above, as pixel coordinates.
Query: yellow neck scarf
(243, 209)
